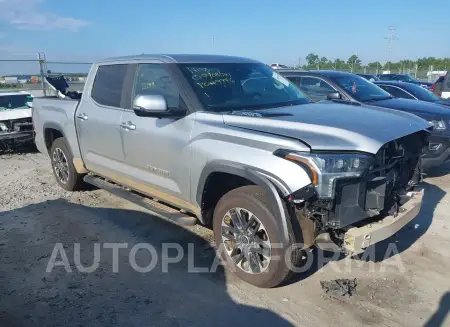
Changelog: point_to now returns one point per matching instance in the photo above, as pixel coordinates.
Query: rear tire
(245, 251)
(63, 168)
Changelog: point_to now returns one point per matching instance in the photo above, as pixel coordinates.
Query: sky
(270, 31)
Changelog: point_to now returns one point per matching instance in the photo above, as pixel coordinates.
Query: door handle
(128, 125)
(82, 116)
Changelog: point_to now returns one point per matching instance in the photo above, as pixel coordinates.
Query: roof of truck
(183, 58)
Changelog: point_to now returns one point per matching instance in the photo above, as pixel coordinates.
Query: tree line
(314, 61)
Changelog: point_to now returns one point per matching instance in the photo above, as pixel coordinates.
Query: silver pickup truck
(231, 144)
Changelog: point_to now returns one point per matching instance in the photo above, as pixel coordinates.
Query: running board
(156, 208)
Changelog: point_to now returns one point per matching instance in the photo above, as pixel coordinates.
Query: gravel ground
(410, 287)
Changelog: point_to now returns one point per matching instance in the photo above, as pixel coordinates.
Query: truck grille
(19, 125)
(399, 160)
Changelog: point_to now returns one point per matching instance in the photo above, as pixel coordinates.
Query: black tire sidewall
(277, 269)
(72, 183)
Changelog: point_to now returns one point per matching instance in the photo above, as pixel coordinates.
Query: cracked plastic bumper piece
(357, 239)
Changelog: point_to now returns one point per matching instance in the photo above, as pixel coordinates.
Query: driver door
(157, 150)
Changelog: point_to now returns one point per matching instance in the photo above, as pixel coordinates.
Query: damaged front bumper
(357, 239)
(16, 136)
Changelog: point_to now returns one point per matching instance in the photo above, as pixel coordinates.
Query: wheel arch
(269, 183)
(52, 131)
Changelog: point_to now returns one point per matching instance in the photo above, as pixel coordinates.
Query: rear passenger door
(98, 118)
(157, 150)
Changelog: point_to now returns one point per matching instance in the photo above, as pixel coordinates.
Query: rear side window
(396, 92)
(108, 85)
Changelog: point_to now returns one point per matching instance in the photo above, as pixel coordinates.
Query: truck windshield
(19, 101)
(360, 88)
(240, 86)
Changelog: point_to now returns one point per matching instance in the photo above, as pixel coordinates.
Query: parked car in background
(403, 78)
(436, 88)
(279, 66)
(15, 119)
(349, 88)
(369, 77)
(237, 147)
(411, 91)
(445, 90)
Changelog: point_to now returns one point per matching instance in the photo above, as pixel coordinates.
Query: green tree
(323, 62)
(312, 59)
(338, 64)
(354, 62)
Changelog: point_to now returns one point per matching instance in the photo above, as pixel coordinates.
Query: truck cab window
(108, 85)
(154, 79)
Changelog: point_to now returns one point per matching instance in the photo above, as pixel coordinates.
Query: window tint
(316, 88)
(108, 85)
(153, 79)
(396, 92)
(360, 88)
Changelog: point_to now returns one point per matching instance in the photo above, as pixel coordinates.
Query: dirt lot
(408, 288)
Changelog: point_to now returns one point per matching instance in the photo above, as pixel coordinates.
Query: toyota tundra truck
(229, 143)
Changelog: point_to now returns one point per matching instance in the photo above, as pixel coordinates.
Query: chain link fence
(28, 73)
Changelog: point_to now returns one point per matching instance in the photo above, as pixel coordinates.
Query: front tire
(63, 168)
(248, 236)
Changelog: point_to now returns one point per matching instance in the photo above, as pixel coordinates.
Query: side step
(156, 208)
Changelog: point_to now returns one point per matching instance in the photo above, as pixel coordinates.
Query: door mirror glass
(334, 96)
(153, 103)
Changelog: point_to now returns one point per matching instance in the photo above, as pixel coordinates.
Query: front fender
(261, 179)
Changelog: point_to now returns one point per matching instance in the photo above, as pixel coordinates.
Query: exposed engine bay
(380, 192)
(16, 125)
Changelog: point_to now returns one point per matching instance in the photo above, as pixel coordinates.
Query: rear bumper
(357, 239)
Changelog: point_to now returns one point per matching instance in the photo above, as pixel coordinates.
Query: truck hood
(331, 126)
(15, 114)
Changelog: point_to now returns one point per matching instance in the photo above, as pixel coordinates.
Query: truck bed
(51, 112)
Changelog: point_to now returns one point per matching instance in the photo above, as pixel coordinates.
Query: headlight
(3, 127)
(325, 169)
(438, 124)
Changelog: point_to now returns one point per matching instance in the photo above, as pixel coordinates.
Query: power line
(391, 38)
(48, 62)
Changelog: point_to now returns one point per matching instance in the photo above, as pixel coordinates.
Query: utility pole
(391, 38)
(42, 70)
(299, 62)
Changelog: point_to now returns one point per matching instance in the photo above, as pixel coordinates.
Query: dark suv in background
(403, 78)
(411, 91)
(352, 89)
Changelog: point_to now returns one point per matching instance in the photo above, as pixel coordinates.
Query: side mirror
(334, 96)
(150, 105)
